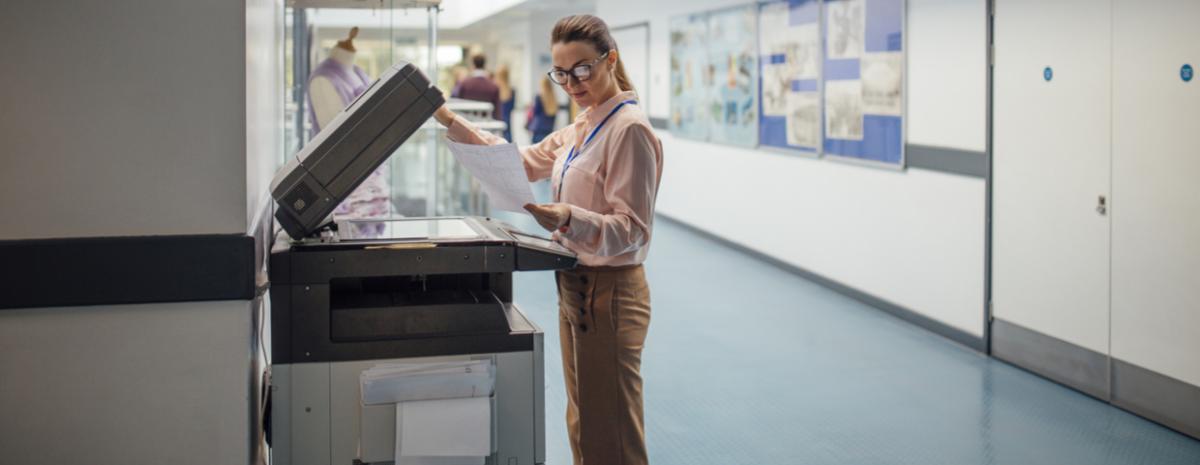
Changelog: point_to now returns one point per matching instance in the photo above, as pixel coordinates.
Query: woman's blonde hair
(593, 30)
(549, 101)
(501, 80)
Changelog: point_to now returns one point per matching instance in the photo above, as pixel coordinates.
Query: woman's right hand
(444, 116)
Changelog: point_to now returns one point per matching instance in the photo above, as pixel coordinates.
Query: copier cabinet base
(402, 290)
(318, 415)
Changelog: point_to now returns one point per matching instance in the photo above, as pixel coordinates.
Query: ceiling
(411, 14)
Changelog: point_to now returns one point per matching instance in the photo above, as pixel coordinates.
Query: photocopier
(374, 319)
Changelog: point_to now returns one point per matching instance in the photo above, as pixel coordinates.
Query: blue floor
(747, 364)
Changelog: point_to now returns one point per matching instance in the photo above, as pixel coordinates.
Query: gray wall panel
(946, 160)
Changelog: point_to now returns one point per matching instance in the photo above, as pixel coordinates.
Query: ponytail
(623, 81)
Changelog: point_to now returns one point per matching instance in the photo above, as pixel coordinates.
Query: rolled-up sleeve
(630, 187)
(538, 158)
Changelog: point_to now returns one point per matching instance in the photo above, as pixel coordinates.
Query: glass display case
(421, 178)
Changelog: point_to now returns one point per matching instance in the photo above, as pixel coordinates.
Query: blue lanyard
(571, 156)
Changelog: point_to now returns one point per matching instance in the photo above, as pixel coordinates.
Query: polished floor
(748, 364)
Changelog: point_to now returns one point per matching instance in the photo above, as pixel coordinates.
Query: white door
(1156, 187)
(1051, 165)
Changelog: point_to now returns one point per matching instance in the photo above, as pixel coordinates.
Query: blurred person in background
(478, 86)
(540, 121)
(508, 98)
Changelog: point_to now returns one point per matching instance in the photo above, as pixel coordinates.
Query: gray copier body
(368, 292)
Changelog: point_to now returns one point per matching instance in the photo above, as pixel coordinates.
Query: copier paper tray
(400, 315)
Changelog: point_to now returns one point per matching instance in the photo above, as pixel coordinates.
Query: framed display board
(863, 83)
(690, 79)
(824, 77)
(789, 43)
(714, 76)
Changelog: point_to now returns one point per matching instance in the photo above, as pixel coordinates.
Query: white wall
(265, 94)
(131, 118)
(913, 237)
(947, 73)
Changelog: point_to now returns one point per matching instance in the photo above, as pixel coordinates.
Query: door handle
(1102, 205)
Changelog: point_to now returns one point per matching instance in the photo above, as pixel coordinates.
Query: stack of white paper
(443, 411)
(443, 432)
(403, 382)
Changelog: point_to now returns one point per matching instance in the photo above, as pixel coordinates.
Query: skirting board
(1060, 361)
(1168, 401)
(937, 327)
(1156, 397)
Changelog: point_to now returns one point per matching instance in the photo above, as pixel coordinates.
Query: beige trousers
(603, 317)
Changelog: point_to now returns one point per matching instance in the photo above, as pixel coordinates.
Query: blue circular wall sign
(1186, 72)
(1048, 74)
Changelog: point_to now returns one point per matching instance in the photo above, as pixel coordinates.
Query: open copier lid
(359, 139)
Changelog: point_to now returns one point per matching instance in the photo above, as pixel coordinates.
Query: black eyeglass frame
(575, 71)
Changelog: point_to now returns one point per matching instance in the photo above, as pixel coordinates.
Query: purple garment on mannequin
(348, 81)
(371, 198)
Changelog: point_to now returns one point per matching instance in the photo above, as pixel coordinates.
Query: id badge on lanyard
(571, 156)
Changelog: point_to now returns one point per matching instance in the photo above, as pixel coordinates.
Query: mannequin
(333, 84)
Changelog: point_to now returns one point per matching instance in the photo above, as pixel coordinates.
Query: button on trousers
(603, 318)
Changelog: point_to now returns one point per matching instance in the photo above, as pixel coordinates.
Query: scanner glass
(432, 229)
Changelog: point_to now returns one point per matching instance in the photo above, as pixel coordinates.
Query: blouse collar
(595, 114)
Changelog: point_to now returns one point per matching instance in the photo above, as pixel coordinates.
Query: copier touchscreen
(537, 241)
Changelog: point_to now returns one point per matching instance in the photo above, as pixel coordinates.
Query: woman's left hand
(552, 216)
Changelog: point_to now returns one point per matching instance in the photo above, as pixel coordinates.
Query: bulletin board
(690, 79)
(863, 83)
(824, 77)
(714, 76)
(789, 45)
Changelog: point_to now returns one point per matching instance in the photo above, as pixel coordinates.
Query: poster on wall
(714, 76)
(690, 77)
(863, 72)
(733, 63)
(789, 52)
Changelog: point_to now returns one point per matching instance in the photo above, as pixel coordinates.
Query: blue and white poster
(734, 66)
(864, 80)
(690, 77)
(789, 44)
(714, 76)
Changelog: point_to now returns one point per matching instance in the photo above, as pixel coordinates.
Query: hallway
(769, 368)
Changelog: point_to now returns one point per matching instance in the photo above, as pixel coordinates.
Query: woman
(507, 99)
(604, 170)
(545, 110)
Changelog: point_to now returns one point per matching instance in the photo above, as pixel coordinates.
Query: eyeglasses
(582, 71)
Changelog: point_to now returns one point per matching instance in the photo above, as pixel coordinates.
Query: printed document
(499, 170)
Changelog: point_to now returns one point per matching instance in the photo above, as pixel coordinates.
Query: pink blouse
(611, 184)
